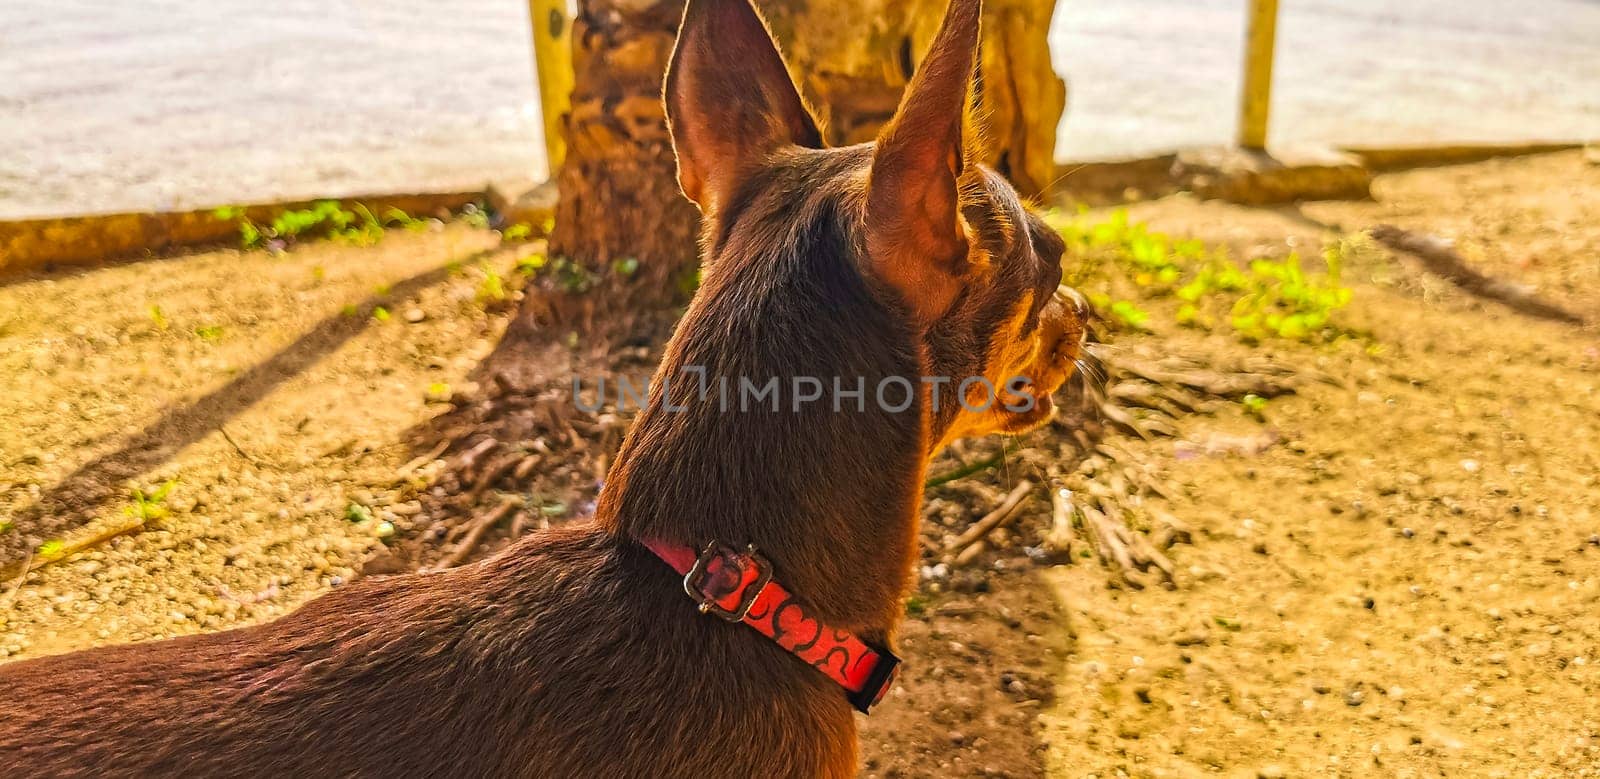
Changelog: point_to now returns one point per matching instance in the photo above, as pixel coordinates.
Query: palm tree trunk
(619, 196)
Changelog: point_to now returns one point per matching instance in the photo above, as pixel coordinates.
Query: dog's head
(942, 242)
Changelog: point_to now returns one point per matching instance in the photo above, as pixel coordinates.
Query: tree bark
(619, 197)
(852, 59)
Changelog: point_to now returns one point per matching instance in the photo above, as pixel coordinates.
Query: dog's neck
(831, 497)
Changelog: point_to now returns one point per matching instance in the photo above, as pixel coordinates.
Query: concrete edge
(1256, 178)
(1403, 157)
(1252, 178)
(33, 244)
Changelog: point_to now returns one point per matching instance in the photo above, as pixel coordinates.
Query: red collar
(738, 587)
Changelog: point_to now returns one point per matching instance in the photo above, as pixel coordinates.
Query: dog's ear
(916, 241)
(730, 101)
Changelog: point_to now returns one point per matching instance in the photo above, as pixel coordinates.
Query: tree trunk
(619, 196)
(852, 59)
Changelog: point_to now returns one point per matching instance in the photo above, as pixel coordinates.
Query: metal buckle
(708, 604)
(878, 683)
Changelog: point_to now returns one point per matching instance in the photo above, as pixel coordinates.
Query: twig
(525, 468)
(1110, 543)
(16, 586)
(1059, 539)
(92, 536)
(223, 429)
(964, 545)
(491, 475)
(421, 460)
(971, 468)
(261, 596)
(481, 526)
(468, 461)
(1439, 258)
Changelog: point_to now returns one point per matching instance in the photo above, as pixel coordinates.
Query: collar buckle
(749, 573)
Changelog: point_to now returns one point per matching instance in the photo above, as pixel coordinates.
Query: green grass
(353, 226)
(148, 506)
(1115, 262)
(492, 287)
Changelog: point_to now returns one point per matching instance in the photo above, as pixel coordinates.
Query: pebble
(1355, 698)
(415, 315)
(1270, 772)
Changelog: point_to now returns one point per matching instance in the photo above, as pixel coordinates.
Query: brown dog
(578, 652)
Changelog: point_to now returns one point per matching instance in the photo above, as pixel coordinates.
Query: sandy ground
(1408, 585)
(162, 363)
(110, 106)
(1393, 575)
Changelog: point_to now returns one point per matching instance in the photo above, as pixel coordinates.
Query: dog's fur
(576, 652)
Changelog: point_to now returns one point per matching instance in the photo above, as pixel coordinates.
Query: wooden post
(552, 59)
(1256, 100)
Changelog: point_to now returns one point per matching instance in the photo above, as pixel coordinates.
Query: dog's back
(570, 655)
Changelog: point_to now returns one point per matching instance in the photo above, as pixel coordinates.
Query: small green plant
(209, 333)
(355, 512)
(625, 266)
(532, 264)
(1268, 298)
(394, 217)
(1281, 300)
(1130, 316)
(381, 314)
(1255, 406)
(571, 277)
(50, 550)
(250, 236)
(517, 232)
(158, 318)
(356, 226)
(149, 506)
(475, 217)
(492, 289)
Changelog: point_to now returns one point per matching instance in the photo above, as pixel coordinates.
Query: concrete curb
(1252, 178)
(33, 244)
(1402, 157)
(1284, 175)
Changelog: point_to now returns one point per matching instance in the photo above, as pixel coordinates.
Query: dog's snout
(1073, 301)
